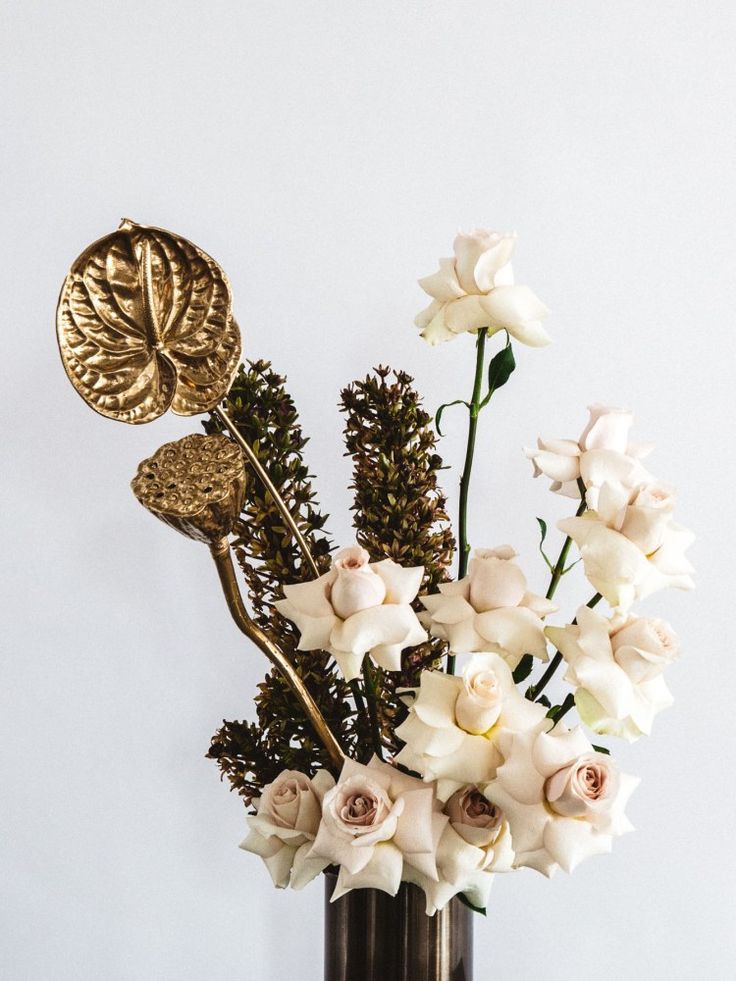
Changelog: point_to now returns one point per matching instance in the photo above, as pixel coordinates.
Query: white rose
(376, 822)
(475, 289)
(615, 666)
(490, 609)
(563, 801)
(437, 743)
(602, 453)
(357, 608)
(474, 846)
(619, 569)
(480, 701)
(285, 826)
(357, 586)
(643, 646)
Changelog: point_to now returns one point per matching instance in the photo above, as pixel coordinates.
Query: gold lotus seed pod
(196, 485)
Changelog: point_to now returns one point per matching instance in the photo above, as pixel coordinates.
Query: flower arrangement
(405, 733)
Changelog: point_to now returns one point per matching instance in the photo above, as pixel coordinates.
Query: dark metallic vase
(371, 936)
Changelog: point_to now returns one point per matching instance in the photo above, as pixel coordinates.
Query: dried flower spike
(196, 485)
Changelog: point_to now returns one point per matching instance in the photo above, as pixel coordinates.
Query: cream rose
(605, 439)
(284, 828)
(563, 801)
(490, 609)
(474, 846)
(619, 568)
(583, 788)
(376, 822)
(475, 289)
(643, 646)
(357, 608)
(615, 666)
(479, 703)
(356, 587)
(442, 732)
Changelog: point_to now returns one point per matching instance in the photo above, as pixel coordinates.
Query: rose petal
(388, 624)
(607, 428)
(304, 868)
(312, 597)
(426, 740)
(383, 872)
(425, 317)
(569, 841)
(435, 704)
(414, 828)
(402, 584)
(443, 285)
(469, 313)
(557, 748)
(491, 262)
(517, 310)
(436, 331)
(515, 631)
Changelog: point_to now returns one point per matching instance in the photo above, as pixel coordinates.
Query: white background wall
(325, 154)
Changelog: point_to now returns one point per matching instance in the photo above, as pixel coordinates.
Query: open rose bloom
(564, 802)
(357, 608)
(475, 289)
(454, 723)
(616, 669)
(490, 609)
(629, 542)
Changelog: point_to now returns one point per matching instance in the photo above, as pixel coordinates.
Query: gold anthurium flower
(144, 325)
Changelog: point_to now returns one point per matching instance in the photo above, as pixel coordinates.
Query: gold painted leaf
(144, 325)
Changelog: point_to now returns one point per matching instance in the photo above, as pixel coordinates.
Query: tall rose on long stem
(473, 292)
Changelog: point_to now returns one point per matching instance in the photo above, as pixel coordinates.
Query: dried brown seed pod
(196, 485)
(144, 325)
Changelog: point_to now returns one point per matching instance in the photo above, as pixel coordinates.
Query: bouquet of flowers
(405, 733)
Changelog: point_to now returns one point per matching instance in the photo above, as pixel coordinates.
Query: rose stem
(559, 567)
(473, 411)
(558, 571)
(564, 708)
(372, 695)
(536, 690)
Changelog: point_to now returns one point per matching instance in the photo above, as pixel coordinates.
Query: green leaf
(466, 902)
(500, 370)
(442, 408)
(543, 531)
(524, 668)
(601, 749)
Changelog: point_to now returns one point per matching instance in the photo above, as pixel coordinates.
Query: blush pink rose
(588, 784)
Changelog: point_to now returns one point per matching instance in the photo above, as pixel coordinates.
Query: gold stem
(223, 560)
(268, 484)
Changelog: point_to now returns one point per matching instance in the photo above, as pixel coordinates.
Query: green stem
(564, 708)
(371, 692)
(473, 412)
(554, 664)
(561, 562)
